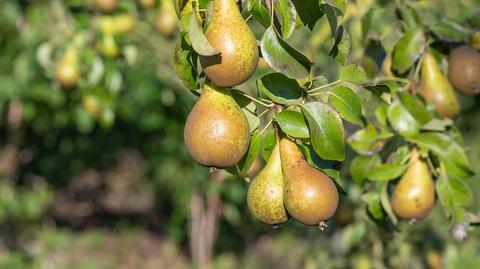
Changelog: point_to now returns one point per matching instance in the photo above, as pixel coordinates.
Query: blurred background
(96, 175)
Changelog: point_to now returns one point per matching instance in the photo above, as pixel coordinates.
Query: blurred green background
(108, 183)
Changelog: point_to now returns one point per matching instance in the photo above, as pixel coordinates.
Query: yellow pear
(228, 33)
(265, 193)
(414, 195)
(167, 20)
(436, 88)
(310, 196)
(67, 72)
(216, 132)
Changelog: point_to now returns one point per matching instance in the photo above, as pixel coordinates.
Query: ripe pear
(109, 47)
(414, 195)
(167, 20)
(228, 33)
(436, 88)
(265, 193)
(217, 132)
(67, 71)
(310, 196)
(464, 70)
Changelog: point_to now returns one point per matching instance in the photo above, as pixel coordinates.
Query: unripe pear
(414, 195)
(67, 71)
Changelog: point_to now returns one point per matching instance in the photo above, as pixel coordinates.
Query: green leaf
(415, 107)
(385, 201)
(445, 147)
(268, 144)
(282, 57)
(408, 49)
(339, 5)
(369, 140)
(401, 120)
(374, 205)
(450, 30)
(386, 172)
(280, 89)
(347, 104)
(308, 11)
(183, 64)
(353, 73)
(287, 12)
(332, 18)
(454, 194)
(293, 123)
(341, 48)
(260, 12)
(253, 149)
(197, 38)
(362, 164)
(326, 131)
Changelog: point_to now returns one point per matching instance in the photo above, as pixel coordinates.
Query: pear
(167, 20)
(436, 88)
(67, 71)
(464, 70)
(106, 5)
(228, 33)
(310, 196)
(265, 193)
(414, 195)
(217, 132)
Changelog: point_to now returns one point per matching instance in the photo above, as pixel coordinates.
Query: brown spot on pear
(436, 88)
(228, 33)
(414, 195)
(464, 70)
(310, 196)
(67, 72)
(216, 132)
(265, 193)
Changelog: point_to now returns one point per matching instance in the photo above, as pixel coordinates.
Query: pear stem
(263, 113)
(257, 101)
(265, 128)
(397, 79)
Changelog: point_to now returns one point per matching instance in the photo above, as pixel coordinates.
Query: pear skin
(464, 70)
(167, 20)
(265, 193)
(228, 33)
(310, 196)
(436, 88)
(216, 132)
(414, 195)
(67, 72)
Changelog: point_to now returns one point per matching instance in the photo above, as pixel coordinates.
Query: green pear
(414, 195)
(216, 132)
(310, 196)
(265, 193)
(436, 88)
(228, 33)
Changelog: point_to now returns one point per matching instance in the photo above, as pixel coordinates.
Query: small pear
(265, 193)
(228, 33)
(217, 132)
(109, 47)
(310, 196)
(167, 20)
(414, 195)
(464, 70)
(106, 5)
(436, 88)
(67, 71)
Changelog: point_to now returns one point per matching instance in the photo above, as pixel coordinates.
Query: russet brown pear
(265, 193)
(310, 196)
(414, 195)
(436, 88)
(216, 132)
(464, 70)
(228, 33)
